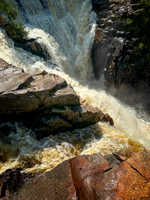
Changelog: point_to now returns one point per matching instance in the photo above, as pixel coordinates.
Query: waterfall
(66, 28)
(65, 24)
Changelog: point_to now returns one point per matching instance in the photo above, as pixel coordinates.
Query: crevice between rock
(119, 158)
(137, 171)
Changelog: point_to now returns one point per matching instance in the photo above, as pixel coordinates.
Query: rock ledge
(46, 99)
(91, 177)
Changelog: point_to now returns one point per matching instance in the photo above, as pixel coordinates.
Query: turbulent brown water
(66, 30)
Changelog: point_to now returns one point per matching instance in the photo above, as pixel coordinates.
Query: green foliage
(15, 30)
(139, 26)
(6, 9)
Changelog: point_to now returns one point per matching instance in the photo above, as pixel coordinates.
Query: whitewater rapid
(68, 26)
(68, 37)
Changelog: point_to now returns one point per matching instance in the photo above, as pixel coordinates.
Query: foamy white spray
(125, 117)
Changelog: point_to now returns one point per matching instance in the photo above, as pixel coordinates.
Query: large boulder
(91, 177)
(46, 99)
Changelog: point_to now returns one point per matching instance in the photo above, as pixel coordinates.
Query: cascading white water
(66, 23)
(66, 28)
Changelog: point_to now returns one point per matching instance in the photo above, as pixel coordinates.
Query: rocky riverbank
(92, 177)
(43, 102)
(110, 37)
(125, 69)
(113, 50)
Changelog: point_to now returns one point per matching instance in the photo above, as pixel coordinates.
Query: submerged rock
(33, 46)
(43, 102)
(90, 177)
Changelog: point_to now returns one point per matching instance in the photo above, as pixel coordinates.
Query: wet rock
(21, 92)
(34, 47)
(31, 45)
(110, 36)
(62, 97)
(113, 52)
(50, 187)
(92, 177)
(46, 99)
(99, 34)
(59, 119)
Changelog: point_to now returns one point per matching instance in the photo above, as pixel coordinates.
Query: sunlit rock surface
(46, 99)
(91, 177)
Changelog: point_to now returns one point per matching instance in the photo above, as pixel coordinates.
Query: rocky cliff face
(113, 52)
(91, 177)
(110, 36)
(43, 102)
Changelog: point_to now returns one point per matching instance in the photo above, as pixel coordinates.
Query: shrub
(15, 30)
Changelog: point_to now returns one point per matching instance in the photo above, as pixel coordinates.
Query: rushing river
(65, 28)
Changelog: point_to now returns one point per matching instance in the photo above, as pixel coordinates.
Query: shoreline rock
(89, 177)
(43, 102)
(33, 46)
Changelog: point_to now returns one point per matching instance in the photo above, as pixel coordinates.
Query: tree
(7, 20)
